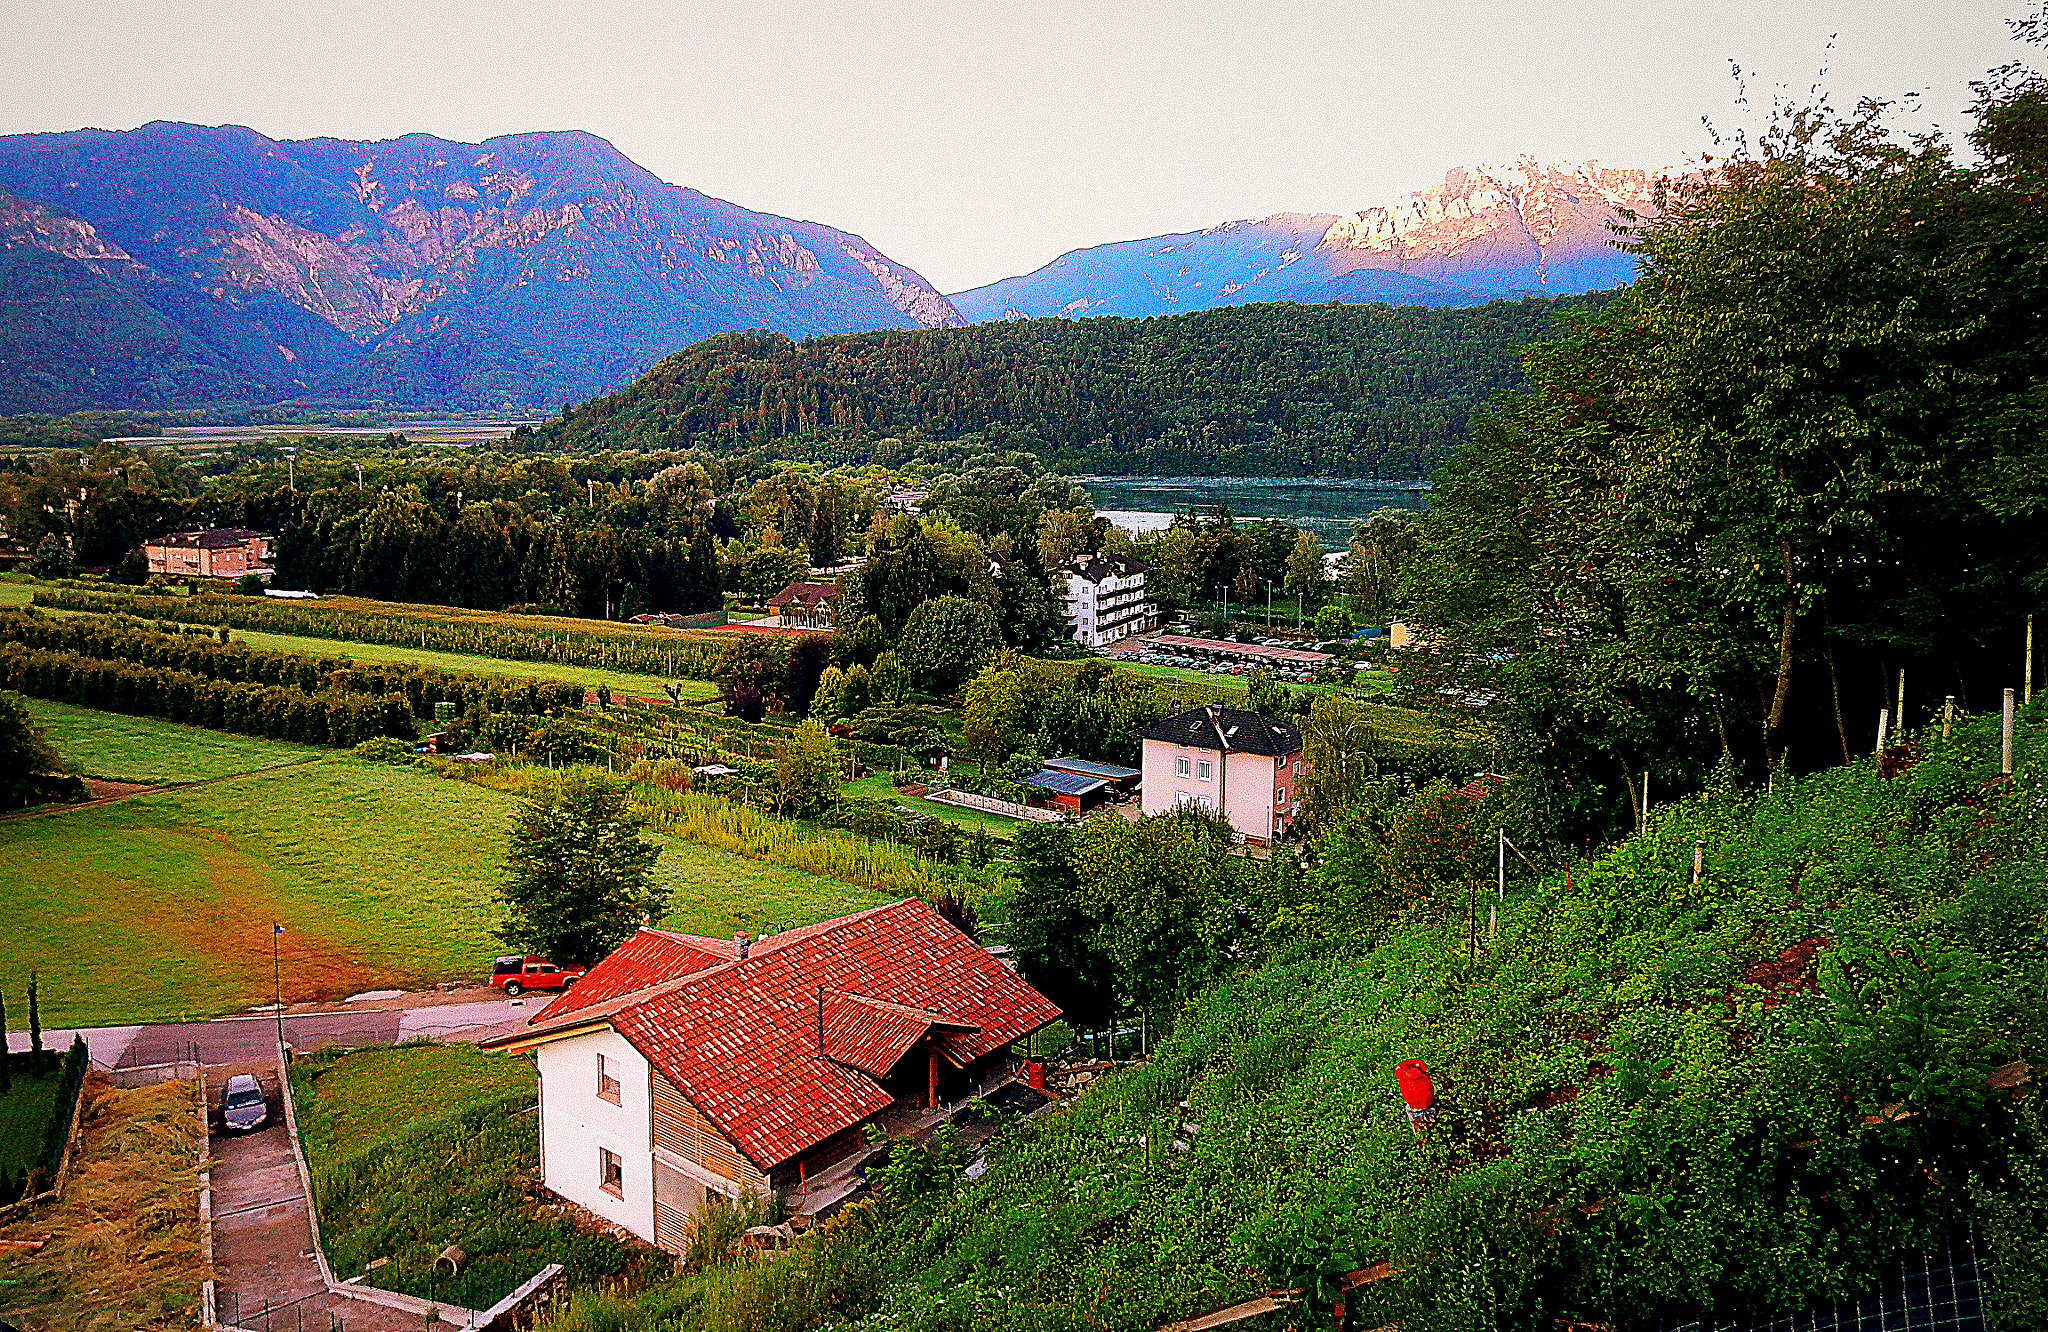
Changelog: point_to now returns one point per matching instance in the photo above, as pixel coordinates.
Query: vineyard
(133, 668)
(586, 643)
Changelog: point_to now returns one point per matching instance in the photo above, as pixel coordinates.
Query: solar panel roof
(1108, 770)
(1066, 783)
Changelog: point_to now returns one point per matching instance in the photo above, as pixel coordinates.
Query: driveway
(266, 1279)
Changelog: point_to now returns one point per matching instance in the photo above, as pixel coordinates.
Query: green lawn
(160, 906)
(143, 749)
(370, 1094)
(716, 893)
(25, 1112)
(878, 788)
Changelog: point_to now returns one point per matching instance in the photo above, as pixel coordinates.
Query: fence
(991, 805)
(272, 1316)
(141, 1065)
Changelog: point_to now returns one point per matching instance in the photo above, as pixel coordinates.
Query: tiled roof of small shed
(740, 1037)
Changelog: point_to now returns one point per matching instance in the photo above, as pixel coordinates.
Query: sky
(977, 140)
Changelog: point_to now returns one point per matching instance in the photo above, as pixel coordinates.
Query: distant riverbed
(1326, 508)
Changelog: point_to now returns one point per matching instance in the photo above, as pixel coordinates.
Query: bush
(386, 749)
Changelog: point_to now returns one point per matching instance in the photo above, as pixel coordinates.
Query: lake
(1326, 507)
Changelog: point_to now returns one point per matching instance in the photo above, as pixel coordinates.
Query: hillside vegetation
(1341, 390)
(1656, 1098)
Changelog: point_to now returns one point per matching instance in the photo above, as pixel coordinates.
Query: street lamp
(291, 469)
(277, 987)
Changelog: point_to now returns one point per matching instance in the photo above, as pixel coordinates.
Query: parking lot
(1285, 658)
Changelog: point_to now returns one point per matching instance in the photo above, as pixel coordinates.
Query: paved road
(265, 1273)
(238, 1039)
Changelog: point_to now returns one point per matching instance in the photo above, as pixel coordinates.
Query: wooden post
(1884, 722)
(1948, 715)
(2007, 752)
(1646, 800)
(2030, 659)
(1699, 857)
(1900, 716)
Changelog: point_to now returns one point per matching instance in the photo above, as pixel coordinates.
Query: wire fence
(268, 1315)
(1941, 1291)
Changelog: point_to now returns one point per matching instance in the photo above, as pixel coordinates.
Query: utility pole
(2006, 767)
(291, 469)
(1900, 716)
(359, 476)
(1884, 723)
(277, 986)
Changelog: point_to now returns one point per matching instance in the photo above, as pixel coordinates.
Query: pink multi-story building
(1225, 760)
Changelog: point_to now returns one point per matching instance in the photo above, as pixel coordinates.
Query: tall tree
(578, 877)
(807, 770)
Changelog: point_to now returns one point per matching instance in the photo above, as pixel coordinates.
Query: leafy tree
(857, 691)
(1334, 622)
(807, 771)
(943, 639)
(578, 877)
(1052, 929)
(1030, 618)
(1162, 892)
(1338, 746)
(1307, 574)
(133, 568)
(1383, 544)
(52, 558)
(993, 707)
(27, 758)
(809, 657)
(828, 704)
(891, 683)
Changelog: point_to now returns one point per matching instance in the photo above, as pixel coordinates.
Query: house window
(1204, 804)
(607, 1080)
(1297, 767)
(1180, 767)
(611, 1173)
(1280, 796)
(1203, 770)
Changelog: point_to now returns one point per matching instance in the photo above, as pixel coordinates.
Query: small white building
(1105, 598)
(683, 1066)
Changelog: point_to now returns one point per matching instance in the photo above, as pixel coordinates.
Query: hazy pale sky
(976, 140)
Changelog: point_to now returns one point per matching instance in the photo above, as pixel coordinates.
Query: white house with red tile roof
(683, 1065)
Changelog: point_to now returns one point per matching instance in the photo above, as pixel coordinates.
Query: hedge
(421, 686)
(336, 717)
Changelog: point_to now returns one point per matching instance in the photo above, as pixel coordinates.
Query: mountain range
(176, 264)
(1524, 228)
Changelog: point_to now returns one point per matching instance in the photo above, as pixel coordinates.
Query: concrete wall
(575, 1122)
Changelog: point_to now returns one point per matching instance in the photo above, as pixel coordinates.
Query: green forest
(1278, 389)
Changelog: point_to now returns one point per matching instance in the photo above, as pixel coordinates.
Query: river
(1324, 507)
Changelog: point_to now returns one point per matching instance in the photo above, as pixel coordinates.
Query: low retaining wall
(209, 1299)
(500, 1315)
(991, 805)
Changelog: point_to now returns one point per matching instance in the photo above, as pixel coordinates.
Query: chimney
(740, 944)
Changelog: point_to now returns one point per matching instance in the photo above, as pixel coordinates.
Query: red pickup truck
(516, 975)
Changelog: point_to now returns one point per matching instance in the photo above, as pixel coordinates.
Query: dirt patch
(99, 788)
(232, 938)
(1790, 972)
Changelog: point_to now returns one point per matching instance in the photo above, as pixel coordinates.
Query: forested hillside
(1335, 390)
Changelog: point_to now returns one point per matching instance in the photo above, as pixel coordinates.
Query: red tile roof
(873, 1034)
(740, 1036)
(648, 958)
(805, 594)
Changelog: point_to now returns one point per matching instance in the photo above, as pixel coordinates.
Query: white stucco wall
(575, 1122)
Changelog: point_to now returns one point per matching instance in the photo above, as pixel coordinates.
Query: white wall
(575, 1122)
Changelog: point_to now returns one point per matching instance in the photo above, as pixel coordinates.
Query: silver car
(242, 1107)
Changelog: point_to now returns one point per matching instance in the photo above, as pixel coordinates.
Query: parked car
(516, 975)
(242, 1107)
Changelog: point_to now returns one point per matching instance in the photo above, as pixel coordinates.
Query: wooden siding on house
(680, 1128)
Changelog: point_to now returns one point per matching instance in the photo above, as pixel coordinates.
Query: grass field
(370, 1094)
(878, 788)
(143, 749)
(160, 906)
(25, 1111)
